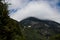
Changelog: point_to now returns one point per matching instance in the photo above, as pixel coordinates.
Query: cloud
(16, 4)
(40, 10)
(46, 9)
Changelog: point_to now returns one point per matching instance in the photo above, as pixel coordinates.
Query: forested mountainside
(28, 29)
(35, 29)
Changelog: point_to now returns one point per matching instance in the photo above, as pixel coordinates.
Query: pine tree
(9, 28)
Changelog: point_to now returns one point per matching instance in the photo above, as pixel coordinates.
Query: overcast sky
(41, 9)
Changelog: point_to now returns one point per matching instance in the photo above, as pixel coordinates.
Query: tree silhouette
(9, 28)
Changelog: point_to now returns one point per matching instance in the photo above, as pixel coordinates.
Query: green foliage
(55, 37)
(9, 28)
(32, 34)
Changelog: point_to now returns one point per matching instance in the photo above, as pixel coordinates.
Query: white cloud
(37, 8)
(16, 4)
(40, 10)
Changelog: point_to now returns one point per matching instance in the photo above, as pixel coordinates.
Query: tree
(9, 28)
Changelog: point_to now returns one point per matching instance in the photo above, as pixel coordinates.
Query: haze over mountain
(41, 9)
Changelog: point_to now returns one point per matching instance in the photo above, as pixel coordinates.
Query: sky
(41, 9)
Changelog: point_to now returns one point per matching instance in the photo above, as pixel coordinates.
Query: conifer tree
(9, 28)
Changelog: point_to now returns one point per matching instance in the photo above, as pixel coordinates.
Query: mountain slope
(35, 29)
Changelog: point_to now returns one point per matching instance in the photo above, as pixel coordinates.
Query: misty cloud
(39, 9)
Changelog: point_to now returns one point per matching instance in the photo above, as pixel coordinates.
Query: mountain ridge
(39, 29)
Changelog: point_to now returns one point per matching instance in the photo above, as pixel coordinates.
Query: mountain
(36, 29)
